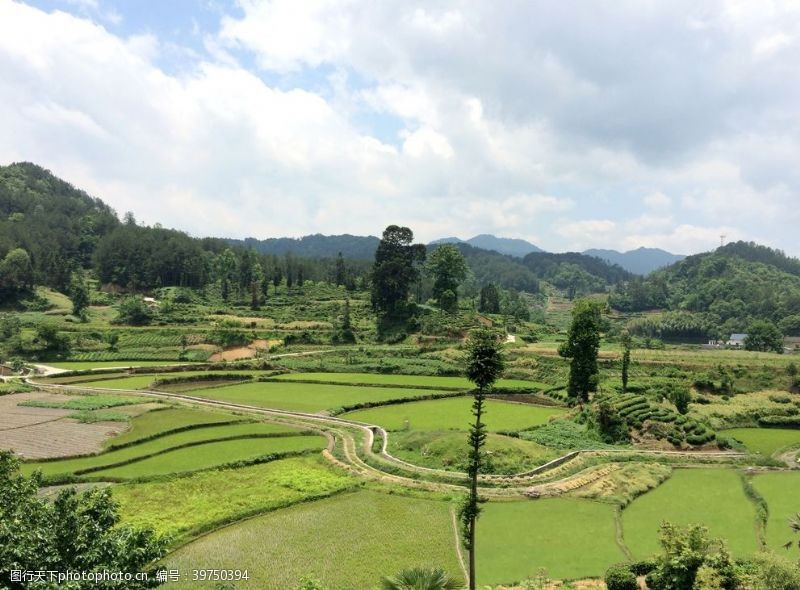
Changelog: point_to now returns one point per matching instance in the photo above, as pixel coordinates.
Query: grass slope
(455, 414)
(766, 441)
(210, 455)
(183, 506)
(405, 380)
(156, 445)
(570, 538)
(348, 542)
(712, 497)
(306, 397)
(782, 493)
(84, 365)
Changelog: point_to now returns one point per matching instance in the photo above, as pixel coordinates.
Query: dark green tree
(582, 345)
(681, 397)
(225, 270)
(764, 336)
(394, 271)
(132, 311)
(625, 340)
(449, 269)
(489, 299)
(484, 365)
(74, 532)
(16, 275)
(340, 274)
(79, 295)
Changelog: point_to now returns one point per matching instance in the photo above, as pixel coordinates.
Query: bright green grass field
(137, 381)
(712, 497)
(86, 402)
(305, 397)
(84, 365)
(455, 414)
(405, 380)
(349, 542)
(210, 455)
(782, 493)
(570, 538)
(764, 440)
(157, 421)
(184, 506)
(208, 433)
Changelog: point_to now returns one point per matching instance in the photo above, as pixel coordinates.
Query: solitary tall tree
(449, 269)
(583, 342)
(79, 295)
(625, 339)
(490, 299)
(395, 269)
(340, 273)
(484, 366)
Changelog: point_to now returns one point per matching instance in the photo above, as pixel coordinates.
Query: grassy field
(86, 402)
(782, 493)
(712, 497)
(210, 455)
(84, 365)
(447, 450)
(405, 380)
(455, 414)
(158, 421)
(570, 538)
(764, 440)
(183, 506)
(156, 445)
(348, 542)
(306, 397)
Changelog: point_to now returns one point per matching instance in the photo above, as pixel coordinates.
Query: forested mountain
(576, 273)
(641, 261)
(57, 225)
(735, 284)
(315, 246)
(500, 269)
(510, 246)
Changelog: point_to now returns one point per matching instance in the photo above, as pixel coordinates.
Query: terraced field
(349, 542)
(713, 497)
(168, 420)
(157, 445)
(210, 454)
(766, 441)
(570, 538)
(781, 490)
(457, 383)
(455, 414)
(307, 397)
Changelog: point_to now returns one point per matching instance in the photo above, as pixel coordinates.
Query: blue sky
(571, 125)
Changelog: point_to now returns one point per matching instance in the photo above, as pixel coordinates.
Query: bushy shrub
(620, 577)
(133, 311)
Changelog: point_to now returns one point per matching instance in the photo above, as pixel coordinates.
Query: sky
(570, 124)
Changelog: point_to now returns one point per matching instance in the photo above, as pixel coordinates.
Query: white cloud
(658, 124)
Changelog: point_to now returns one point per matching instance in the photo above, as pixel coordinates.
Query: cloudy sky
(568, 123)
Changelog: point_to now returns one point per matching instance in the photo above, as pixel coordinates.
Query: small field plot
(210, 454)
(712, 497)
(85, 365)
(781, 491)
(349, 542)
(766, 441)
(156, 445)
(570, 538)
(456, 383)
(184, 506)
(454, 414)
(168, 419)
(447, 450)
(306, 397)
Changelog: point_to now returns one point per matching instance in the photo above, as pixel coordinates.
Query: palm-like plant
(794, 525)
(419, 578)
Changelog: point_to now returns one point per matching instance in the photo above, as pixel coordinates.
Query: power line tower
(722, 240)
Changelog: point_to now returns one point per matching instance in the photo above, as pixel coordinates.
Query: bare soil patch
(14, 416)
(242, 352)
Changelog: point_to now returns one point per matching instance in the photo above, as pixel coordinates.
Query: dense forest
(577, 274)
(727, 288)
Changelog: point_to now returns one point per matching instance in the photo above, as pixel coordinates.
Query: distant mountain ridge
(641, 261)
(510, 246)
(315, 246)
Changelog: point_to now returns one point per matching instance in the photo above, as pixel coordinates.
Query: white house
(736, 340)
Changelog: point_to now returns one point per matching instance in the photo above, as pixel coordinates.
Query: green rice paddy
(766, 441)
(782, 494)
(456, 383)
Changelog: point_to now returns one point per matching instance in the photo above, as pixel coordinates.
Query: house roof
(738, 337)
